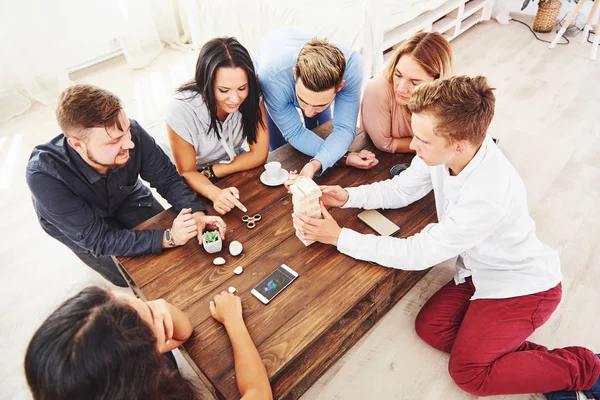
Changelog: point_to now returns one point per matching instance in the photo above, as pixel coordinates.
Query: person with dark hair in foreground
(86, 188)
(507, 282)
(100, 345)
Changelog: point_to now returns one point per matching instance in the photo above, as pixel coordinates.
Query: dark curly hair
(99, 348)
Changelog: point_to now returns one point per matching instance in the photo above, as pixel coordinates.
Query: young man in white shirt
(507, 282)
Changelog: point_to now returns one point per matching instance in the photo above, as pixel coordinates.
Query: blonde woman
(384, 112)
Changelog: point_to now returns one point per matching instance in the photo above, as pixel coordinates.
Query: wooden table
(315, 320)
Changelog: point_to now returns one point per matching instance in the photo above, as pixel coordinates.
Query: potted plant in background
(211, 240)
(546, 16)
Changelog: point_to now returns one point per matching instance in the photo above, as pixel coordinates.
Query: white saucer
(283, 175)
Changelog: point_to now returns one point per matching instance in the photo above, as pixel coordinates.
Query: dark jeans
(276, 137)
(127, 217)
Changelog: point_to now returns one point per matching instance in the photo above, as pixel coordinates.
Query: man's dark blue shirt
(75, 204)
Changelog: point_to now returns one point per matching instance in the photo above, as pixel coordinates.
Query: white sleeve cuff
(355, 198)
(348, 241)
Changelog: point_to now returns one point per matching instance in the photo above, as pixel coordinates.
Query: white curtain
(145, 25)
(38, 39)
(30, 66)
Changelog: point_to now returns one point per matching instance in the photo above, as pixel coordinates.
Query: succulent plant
(211, 236)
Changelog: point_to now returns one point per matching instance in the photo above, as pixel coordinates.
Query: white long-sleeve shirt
(483, 219)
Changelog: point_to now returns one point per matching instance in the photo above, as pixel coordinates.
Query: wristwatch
(169, 238)
(342, 161)
(208, 172)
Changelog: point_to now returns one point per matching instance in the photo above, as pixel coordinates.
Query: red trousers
(486, 341)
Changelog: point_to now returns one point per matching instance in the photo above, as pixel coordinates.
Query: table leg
(128, 279)
(562, 30)
(588, 24)
(596, 38)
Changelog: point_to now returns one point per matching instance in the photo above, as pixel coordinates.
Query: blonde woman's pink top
(381, 117)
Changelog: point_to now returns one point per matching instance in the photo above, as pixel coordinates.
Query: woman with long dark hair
(211, 116)
(100, 345)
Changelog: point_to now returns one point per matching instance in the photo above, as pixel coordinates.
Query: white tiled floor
(546, 118)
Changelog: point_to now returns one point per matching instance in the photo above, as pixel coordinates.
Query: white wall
(515, 6)
(90, 30)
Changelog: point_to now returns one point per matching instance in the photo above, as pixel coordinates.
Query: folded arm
(182, 328)
(376, 119)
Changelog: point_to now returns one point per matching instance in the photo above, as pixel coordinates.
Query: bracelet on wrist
(212, 172)
(169, 238)
(208, 172)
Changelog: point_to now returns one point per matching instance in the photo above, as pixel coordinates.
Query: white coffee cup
(273, 170)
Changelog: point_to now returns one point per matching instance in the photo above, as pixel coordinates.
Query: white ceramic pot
(212, 247)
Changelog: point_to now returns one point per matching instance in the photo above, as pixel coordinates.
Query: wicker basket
(547, 15)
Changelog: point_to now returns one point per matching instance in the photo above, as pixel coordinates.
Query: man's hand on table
(211, 222)
(183, 229)
(324, 230)
(363, 159)
(187, 225)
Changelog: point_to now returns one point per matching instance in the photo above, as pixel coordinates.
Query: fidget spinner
(251, 221)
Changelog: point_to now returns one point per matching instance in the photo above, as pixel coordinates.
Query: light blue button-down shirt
(274, 61)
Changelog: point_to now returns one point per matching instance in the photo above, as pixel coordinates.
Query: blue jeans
(276, 137)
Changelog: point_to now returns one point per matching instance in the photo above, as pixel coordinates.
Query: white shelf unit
(450, 19)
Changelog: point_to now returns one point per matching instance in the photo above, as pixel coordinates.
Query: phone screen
(275, 283)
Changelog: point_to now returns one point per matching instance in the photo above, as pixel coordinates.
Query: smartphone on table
(379, 222)
(273, 284)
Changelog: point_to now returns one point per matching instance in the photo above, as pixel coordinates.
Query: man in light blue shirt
(297, 71)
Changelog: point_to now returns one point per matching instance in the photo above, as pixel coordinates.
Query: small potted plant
(211, 240)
